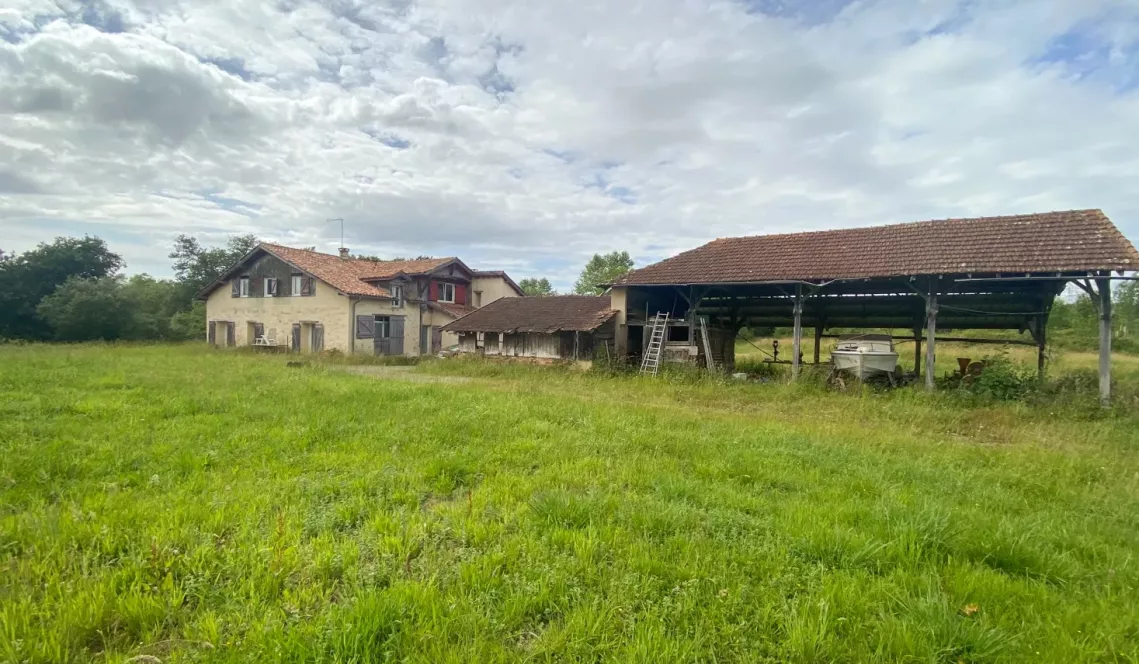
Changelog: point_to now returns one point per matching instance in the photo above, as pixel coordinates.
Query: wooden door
(317, 338)
(212, 333)
(296, 338)
(395, 340)
(231, 334)
(424, 339)
(436, 339)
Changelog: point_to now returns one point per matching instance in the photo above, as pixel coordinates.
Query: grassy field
(179, 504)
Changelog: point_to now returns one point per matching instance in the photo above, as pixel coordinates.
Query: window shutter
(308, 287)
(236, 291)
(460, 293)
(433, 291)
(365, 327)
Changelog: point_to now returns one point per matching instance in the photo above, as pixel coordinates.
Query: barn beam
(930, 335)
(1104, 287)
(797, 312)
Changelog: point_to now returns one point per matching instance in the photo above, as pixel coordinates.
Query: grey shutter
(212, 333)
(317, 338)
(236, 291)
(395, 345)
(308, 287)
(365, 327)
(296, 337)
(231, 334)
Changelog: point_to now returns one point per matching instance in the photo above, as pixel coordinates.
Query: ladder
(707, 344)
(650, 364)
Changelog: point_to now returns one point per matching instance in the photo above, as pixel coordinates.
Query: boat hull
(865, 364)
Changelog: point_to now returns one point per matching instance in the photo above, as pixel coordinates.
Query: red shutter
(433, 291)
(460, 293)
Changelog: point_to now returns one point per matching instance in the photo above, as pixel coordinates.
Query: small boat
(865, 355)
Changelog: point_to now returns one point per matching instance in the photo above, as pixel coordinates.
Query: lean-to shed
(561, 327)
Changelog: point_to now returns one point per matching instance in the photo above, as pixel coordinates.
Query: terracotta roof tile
(537, 314)
(454, 310)
(348, 274)
(1076, 240)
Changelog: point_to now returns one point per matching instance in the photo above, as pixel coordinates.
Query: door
(317, 338)
(382, 340)
(395, 338)
(436, 339)
(424, 338)
(212, 333)
(295, 341)
(231, 334)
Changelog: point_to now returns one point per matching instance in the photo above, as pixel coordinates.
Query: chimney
(344, 252)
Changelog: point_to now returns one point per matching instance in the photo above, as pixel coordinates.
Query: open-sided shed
(957, 274)
(566, 327)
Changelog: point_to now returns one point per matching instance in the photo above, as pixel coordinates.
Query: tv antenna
(341, 220)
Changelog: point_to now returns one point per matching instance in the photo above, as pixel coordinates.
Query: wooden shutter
(296, 337)
(231, 334)
(258, 330)
(236, 291)
(365, 327)
(433, 291)
(317, 338)
(308, 286)
(395, 345)
(460, 293)
(212, 333)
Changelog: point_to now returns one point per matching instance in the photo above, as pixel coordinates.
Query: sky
(527, 136)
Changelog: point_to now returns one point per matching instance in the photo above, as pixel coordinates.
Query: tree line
(72, 289)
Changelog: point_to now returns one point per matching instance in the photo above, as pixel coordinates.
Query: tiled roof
(453, 310)
(1048, 242)
(537, 314)
(348, 274)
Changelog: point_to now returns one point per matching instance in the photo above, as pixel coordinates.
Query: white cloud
(530, 135)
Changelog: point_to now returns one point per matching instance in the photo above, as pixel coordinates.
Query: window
(243, 287)
(383, 327)
(446, 292)
(397, 296)
(270, 287)
(297, 285)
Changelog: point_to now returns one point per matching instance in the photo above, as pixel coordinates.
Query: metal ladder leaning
(707, 344)
(651, 362)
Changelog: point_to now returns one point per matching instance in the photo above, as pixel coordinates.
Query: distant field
(193, 505)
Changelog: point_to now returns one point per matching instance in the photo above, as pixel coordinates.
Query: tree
(536, 286)
(602, 269)
(196, 267)
(153, 303)
(26, 280)
(86, 309)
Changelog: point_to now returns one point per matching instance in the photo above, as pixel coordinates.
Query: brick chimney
(344, 252)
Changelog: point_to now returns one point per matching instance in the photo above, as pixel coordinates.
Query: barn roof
(583, 313)
(1075, 240)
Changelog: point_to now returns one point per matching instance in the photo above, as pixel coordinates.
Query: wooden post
(575, 345)
(818, 341)
(917, 352)
(797, 310)
(930, 334)
(1040, 346)
(1104, 288)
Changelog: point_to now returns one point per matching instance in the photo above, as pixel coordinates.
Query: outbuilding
(560, 327)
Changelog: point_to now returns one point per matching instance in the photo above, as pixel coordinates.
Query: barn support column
(1039, 335)
(930, 335)
(797, 339)
(1104, 287)
(917, 351)
(818, 341)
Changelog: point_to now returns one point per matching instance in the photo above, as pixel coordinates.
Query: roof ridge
(900, 224)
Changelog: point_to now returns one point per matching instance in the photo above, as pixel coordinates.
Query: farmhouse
(308, 301)
(924, 278)
(565, 327)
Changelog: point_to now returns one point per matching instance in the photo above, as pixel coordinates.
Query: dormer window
(397, 295)
(243, 287)
(446, 292)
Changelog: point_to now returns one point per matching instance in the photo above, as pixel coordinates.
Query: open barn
(561, 327)
(930, 278)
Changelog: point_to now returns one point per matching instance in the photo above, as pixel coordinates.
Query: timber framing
(1011, 269)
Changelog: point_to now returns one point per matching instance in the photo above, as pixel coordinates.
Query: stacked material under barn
(565, 327)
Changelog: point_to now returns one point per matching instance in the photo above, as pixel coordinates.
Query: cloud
(530, 135)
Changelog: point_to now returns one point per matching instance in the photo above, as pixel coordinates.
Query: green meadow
(174, 503)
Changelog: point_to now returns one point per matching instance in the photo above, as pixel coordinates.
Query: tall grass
(193, 505)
